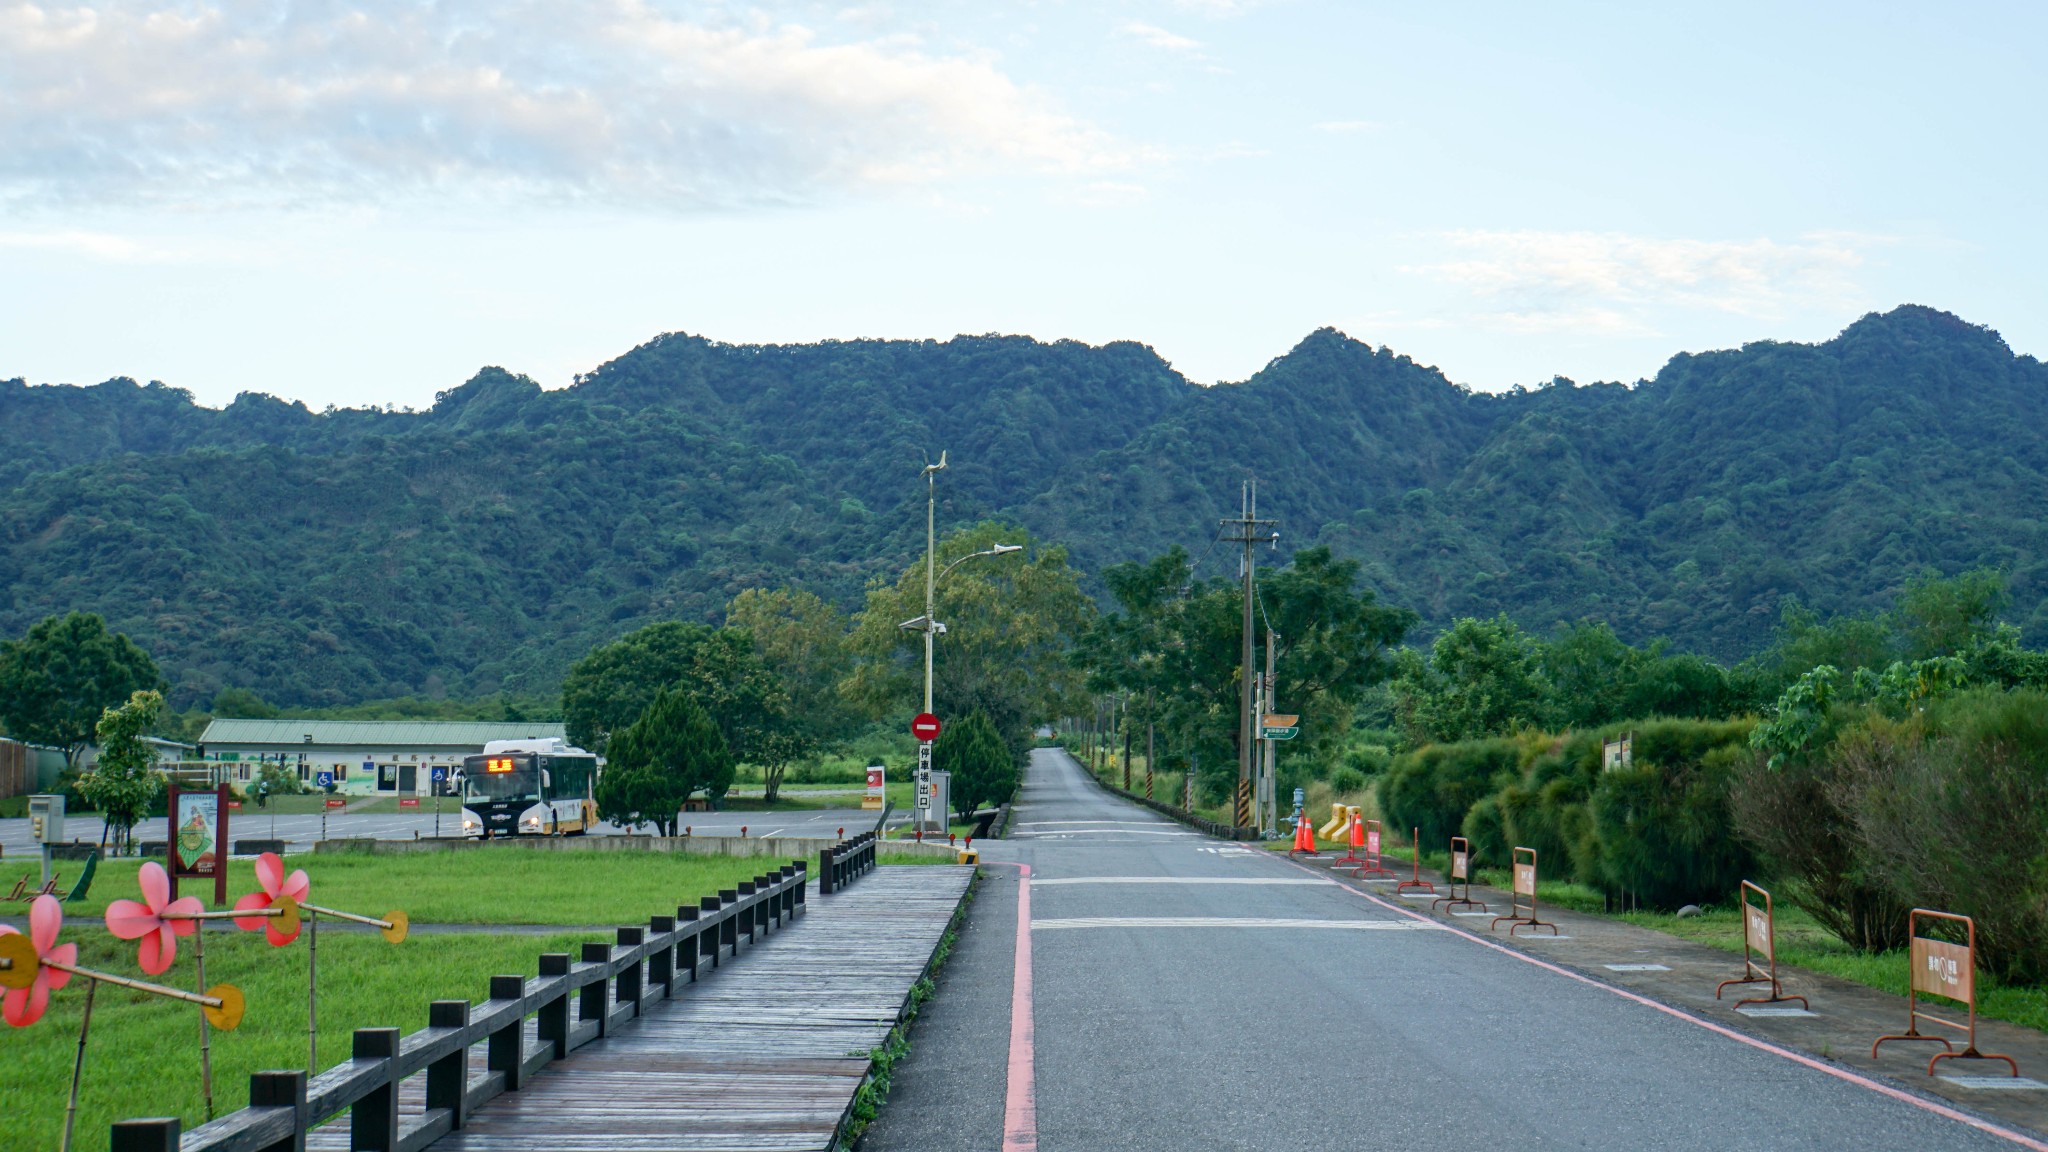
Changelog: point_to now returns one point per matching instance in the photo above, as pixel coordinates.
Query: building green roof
(376, 733)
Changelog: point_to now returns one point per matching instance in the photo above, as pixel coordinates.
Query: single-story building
(363, 757)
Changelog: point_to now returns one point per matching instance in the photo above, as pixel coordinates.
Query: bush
(1950, 811)
(1433, 787)
(1791, 816)
(1486, 834)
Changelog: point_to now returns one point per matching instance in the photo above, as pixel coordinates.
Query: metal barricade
(1759, 935)
(1523, 888)
(1460, 886)
(1947, 969)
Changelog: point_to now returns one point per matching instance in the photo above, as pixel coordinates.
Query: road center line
(1253, 880)
(1844, 1074)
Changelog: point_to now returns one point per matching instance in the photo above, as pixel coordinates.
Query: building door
(409, 779)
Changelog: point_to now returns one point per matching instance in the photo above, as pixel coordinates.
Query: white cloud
(1607, 283)
(610, 101)
(96, 245)
(1159, 37)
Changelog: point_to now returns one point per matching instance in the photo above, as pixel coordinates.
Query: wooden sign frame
(216, 868)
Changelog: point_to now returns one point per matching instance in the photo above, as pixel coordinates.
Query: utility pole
(1124, 721)
(931, 560)
(1269, 815)
(1247, 529)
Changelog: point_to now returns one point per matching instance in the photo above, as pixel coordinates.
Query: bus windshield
(501, 777)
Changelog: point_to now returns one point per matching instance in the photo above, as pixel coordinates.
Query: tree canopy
(57, 681)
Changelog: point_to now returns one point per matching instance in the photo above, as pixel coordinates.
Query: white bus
(529, 788)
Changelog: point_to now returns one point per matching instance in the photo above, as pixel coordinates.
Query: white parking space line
(1229, 922)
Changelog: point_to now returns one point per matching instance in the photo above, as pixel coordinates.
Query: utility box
(46, 819)
(940, 795)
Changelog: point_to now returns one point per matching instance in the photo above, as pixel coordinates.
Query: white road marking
(1095, 832)
(1276, 882)
(1228, 922)
(1077, 823)
(1637, 968)
(2021, 1083)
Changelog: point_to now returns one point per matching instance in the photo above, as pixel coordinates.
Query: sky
(362, 203)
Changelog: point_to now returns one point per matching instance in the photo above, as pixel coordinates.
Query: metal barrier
(1523, 885)
(1759, 934)
(1460, 886)
(841, 863)
(1371, 865)
(1942, 968)
(608, 986)
(1415, 846)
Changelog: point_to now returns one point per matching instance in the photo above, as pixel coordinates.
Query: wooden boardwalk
(764, 1055)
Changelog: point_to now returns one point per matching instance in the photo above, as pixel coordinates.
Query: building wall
(346, 763)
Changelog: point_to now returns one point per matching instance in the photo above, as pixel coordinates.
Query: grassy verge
(479, 886)
(899, 793)
(143, 1059)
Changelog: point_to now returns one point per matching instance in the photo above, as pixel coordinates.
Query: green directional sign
(1287, 733)
(1275, 726)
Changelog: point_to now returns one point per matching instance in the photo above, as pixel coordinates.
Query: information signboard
(198, 848)
(877, 778)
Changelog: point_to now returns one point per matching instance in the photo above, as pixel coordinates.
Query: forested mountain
(483, 544)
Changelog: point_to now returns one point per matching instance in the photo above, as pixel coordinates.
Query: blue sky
(361, 203)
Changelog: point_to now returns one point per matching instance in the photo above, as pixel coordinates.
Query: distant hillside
(327, 557)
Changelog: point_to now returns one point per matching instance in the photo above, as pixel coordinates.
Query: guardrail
(840, 864)
(608, 986)
(1200, 824)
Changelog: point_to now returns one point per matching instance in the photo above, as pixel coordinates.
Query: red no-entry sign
(925, 726)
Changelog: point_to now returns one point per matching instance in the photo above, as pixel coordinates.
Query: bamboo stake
(312, 994)
(205, 1033)
(78, 1063)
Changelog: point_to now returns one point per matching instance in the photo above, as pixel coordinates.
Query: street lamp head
(999, 549)
(939, 467)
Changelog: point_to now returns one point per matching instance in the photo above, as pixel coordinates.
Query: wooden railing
(576, 1000)
(840, 864)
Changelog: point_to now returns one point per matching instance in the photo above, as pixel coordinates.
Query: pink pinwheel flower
(270, 874)
(24, 1006)
(129, 920)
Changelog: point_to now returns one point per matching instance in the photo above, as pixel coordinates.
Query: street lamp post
(928, 623)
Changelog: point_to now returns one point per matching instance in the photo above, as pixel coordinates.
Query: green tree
(241, 704)
(614, 683)
(57, 681)
(671, 752)
(984, 769)
(1481, 678)
(124, 781)
(1010, 624)
(802, 639)
(1946, 617)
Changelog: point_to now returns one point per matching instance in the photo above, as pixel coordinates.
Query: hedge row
(1658, 831)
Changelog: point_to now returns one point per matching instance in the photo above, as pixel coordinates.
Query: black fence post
(708, 936)
(447, 1078)
(591, 1002)
(729, 925)
(153, 1134)
(505, 1051)
(283, 1090)
(687, 947)
(748, 906)
(632, 985)
(826, 875)
(373, 1120)
(554, 1015)
(661, 963)
(803, 868)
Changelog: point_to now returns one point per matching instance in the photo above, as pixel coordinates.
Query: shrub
(1433, 787)
(1950, 811)
(1790, 815)
(1487, 835)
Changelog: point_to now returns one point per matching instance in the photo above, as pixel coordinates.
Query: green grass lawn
(144, 1057)
(797, 798)
(476, 886)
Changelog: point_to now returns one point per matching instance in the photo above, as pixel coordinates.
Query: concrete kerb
(787, 847)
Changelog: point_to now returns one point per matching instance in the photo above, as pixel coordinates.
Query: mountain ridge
(480, 544)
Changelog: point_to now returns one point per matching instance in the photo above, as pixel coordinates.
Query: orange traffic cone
(1304, 837)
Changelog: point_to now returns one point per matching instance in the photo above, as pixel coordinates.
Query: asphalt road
(301, 831)
(1186, 993)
